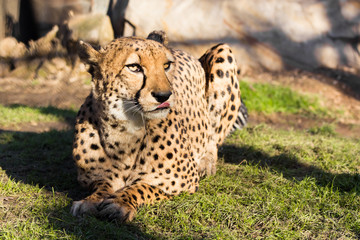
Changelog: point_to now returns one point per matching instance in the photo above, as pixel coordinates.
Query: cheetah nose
(161, 96)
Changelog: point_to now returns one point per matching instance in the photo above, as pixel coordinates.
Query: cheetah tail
(242, 118)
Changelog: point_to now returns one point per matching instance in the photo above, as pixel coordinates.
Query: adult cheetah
(152, 124)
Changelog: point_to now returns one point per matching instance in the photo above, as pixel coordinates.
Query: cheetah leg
(207, 164)
(89, 204)
(123, 203)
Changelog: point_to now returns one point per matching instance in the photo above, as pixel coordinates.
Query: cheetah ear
(88, 54)
(159, 36)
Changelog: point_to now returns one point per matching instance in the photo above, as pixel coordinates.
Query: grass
(270, 183)
(267, 98)
(21, 114)
(325, 129)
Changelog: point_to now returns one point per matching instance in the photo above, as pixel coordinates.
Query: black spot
(121, 152)
(168, 171)
(183, 185)
(134, 197)
(156, 157)
(230, 117)
(82, 129)
(136, 49)
(212, 77)
(220, 73)
(173, 183)
(156, 138)
(169, 155)
(219, 60)
(232, 108)
(114, 125)
(168, 143)
(230, 59)
(77, 157)
(142, 161)
(102, 159)
(210, 59)
(91, 134)
(94, 147)
(160, 165)
(232, 97)
(162, 147)
(214, 47)
(228, 89)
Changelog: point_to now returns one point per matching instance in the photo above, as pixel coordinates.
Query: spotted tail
(242, 118)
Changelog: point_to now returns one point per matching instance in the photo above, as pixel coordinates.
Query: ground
(293, 173)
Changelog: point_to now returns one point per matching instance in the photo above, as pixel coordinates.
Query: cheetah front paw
(84, 207)
(116, 209)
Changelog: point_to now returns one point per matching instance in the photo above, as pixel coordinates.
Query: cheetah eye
(167, 66)
(134, 67)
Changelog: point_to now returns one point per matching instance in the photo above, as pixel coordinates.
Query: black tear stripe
(137, 95)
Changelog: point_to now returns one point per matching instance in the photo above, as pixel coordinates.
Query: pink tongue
(164, 105)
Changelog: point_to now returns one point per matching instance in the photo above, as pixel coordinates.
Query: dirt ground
(335, 90)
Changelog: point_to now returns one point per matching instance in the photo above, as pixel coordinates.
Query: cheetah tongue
(163, 105)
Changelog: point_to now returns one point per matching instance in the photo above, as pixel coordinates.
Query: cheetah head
(131, 77)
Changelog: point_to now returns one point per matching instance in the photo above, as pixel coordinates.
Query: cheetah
(153, 122)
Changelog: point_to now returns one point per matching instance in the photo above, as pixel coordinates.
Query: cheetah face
(132, 77)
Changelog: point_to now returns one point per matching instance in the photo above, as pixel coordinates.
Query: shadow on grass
(290, 167)
(44, 159)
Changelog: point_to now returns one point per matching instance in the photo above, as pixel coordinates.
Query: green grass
(267, 98)
(325, 129)
(270, 184)
(19, 114)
